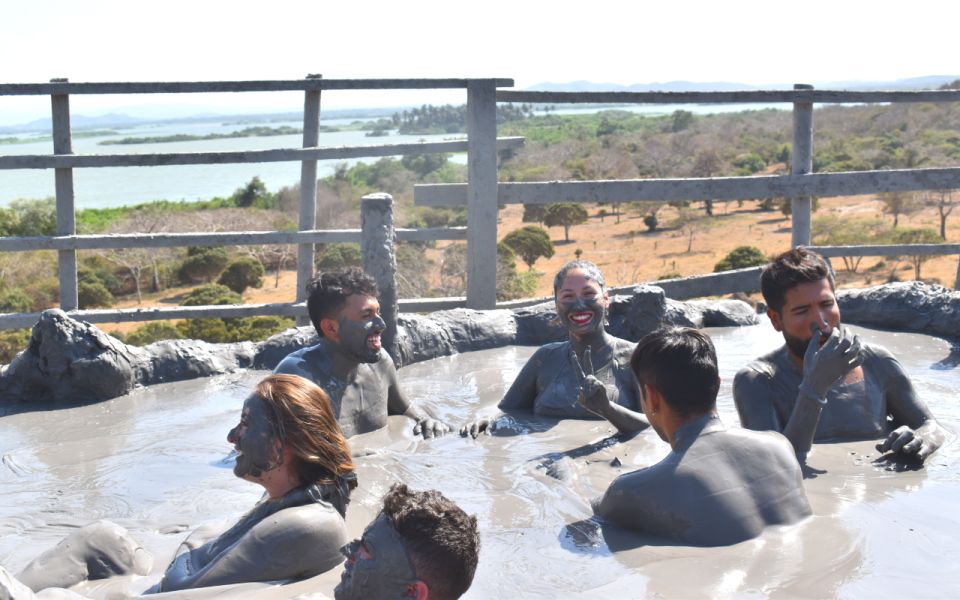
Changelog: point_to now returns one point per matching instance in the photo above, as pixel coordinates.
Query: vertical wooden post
(308, 194)
(66, 219)
(802, 164)
(482, 194)
(377, 246)
(956, 281)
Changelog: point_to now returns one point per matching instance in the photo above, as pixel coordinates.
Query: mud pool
(157, 462)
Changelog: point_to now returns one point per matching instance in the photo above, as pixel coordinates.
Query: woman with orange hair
(289, 442)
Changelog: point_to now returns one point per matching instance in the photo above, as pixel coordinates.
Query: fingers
(576, 364)
(886, 444)
(418, 428)
(902, 440)
(588, 360)
(813, 345)
(474, 428)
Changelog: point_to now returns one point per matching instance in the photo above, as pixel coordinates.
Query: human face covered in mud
(359, 327)
(807, 307)
(255, 440)
(581, 303)
(377, 565)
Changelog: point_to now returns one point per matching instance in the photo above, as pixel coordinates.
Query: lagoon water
(120, 186)
(157, 462)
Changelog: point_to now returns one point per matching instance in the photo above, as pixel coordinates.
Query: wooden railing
(800, 185)
(481, 195)
(480, 147)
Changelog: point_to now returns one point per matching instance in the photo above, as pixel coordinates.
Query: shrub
(15, 301)
(338, 256)
(243, 273)
(154, 331)
(214, 331)
(93, 294)
(256, 329)
(203, 264)
(213, 294)
(12, 342)
(741, 257)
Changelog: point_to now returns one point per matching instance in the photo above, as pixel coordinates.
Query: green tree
(242, 273)
(566, 215)
(919, 235)
(203, 264)
(530, 242)
(534, 213)
(741, 257)
(424, 164)
(898, 203)
(837, 231)
(254, 193)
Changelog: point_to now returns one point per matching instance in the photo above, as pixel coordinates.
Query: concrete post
(378, 248)
(66, 218)
(308, 194)
(482, 194)
(802, 164)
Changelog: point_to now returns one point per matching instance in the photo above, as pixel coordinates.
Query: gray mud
(156, 461)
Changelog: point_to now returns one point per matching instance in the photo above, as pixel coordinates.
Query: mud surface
(156, 462)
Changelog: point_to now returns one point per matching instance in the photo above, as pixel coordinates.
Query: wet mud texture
(157, 463)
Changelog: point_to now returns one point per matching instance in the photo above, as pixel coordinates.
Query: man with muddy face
(349, 363)
(824, 383)
(421, 545)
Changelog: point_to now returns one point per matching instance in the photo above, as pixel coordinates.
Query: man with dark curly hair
(421, 545)
(349, 363)
(824, 383)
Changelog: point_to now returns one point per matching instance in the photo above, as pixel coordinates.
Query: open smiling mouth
(373, 341)
(581, 318)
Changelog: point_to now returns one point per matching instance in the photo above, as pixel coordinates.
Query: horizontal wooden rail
(891, 250)
(194, 87)
(737, 97)
(716, 188)
(73, 161)
(230, 238)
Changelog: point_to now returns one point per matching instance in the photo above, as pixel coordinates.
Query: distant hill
(914, 83)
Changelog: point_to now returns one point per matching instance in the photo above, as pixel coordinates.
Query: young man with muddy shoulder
(349, 362)
(823, 383)
(717, 486)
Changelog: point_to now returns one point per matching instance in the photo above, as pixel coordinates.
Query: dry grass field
(627, 253)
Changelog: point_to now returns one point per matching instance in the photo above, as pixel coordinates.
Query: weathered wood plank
(73, 161)
(173, 240)
(193, 87)
(739, 97)
(482, 194)
(896, 250)
(431, 234)
(716, 188)
(63, 186)
(801, 163)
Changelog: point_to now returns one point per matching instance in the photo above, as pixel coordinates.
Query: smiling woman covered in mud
(288, 441)
(566, 379)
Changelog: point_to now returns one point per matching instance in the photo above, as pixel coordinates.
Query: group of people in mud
(717, 485)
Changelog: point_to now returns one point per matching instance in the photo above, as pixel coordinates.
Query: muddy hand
(429, 427)
(475, 428)
(593, 394)
(824, 366)
(904, 440)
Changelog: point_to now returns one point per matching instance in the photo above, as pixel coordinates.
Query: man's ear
(775, 319)
(330, 329)
(652, 398)
(418, 590)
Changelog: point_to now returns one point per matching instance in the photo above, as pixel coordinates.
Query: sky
(530, 41)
